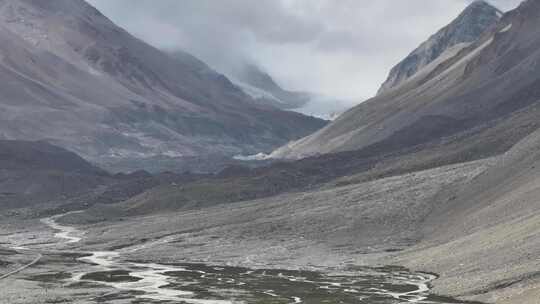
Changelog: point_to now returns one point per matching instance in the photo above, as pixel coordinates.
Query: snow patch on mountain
(255, 157)
(506, 29)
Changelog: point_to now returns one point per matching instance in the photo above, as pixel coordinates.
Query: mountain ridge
(252, 76)
(477, 18)
(262, 87)
(473, 89)
(93, 88)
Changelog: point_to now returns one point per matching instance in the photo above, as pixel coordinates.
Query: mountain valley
(426, 193)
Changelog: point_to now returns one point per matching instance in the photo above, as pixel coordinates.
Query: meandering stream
(206, 284)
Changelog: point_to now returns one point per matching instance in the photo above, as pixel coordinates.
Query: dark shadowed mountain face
(26, 155)
(72, 77)
(34, 172)
(38, 174)
(464, 30)
(476, 103)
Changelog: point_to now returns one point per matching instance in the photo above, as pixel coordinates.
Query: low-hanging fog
(342, 49)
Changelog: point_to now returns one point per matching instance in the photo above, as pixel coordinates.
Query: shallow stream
(141, 282)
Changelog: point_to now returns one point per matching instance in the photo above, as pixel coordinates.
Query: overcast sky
(339, 48)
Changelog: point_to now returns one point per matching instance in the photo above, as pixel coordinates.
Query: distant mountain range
(34, 172)
(263, 88)
(72, 77)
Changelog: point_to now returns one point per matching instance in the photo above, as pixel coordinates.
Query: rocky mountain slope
(483, 237)
(480, 95)
(461, 32)
(72, 77)
(34, 172)
(37, 175)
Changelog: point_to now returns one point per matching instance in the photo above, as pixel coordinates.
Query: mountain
(72, 77)
(40, 176)
(263, 88)
(33, 172)
(25, 155)
(400, 189)
(464, 30)
(477, 103)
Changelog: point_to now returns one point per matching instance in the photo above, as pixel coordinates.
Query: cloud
(339, 48)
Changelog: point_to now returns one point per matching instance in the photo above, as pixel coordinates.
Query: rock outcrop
(464, 30)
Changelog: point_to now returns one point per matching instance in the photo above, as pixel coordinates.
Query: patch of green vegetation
(50, 277)
(110, 276)
(5, 251)
(58, 300)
